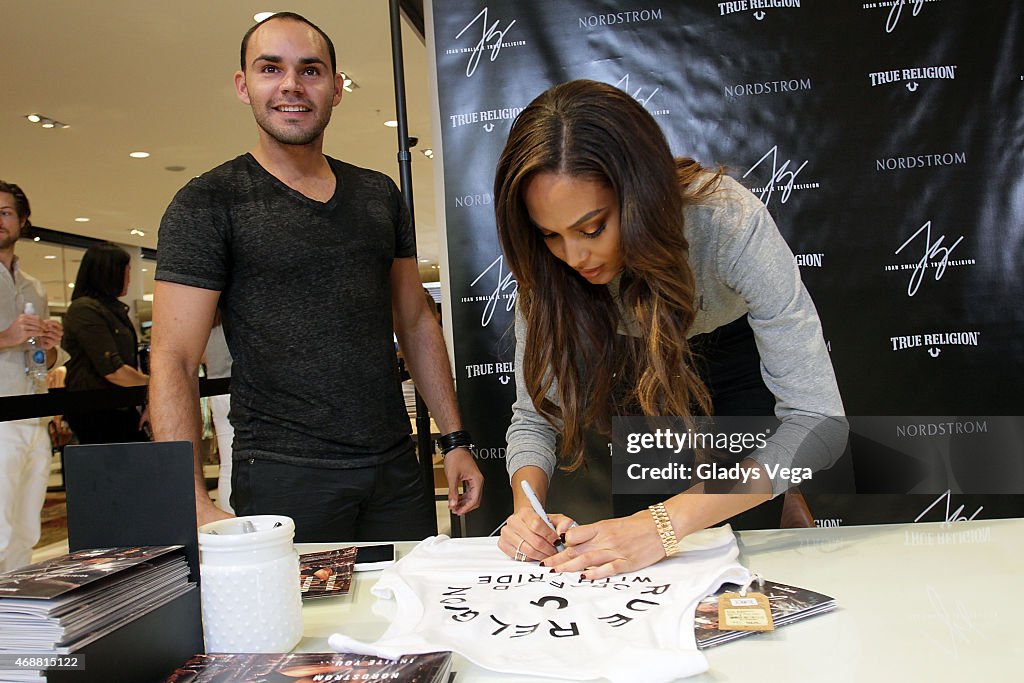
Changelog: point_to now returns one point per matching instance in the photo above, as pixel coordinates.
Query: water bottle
(35, 359)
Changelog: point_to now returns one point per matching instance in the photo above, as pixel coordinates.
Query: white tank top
(513, 617)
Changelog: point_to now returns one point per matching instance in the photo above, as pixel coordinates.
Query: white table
(916, 602)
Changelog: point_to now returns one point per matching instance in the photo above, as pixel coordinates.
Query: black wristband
(453, 440)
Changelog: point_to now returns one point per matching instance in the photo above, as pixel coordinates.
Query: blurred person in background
(218, 365)
(103, 345)
(24, 444)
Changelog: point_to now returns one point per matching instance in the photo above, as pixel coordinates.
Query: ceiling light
(81, 219)
(145, 270)
(347, 84)
(50, 257)
(36, 239)
(46, 121)
(138, 155)
(262, 16)
(136, 232)
(424, 260)
(71, 285)
(428, 153)
(391, 124)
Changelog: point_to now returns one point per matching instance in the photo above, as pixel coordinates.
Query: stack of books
(432, 667)
(788, 604)
(61, 605)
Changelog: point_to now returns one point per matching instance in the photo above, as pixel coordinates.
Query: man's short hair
(294, 17)
(21, 204)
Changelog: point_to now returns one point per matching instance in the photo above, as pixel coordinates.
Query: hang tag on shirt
(747, 612)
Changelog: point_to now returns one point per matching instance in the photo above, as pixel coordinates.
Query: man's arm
(422, 344)
(48, 332)
(182, 318)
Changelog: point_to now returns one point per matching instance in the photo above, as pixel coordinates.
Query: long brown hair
(596, 132)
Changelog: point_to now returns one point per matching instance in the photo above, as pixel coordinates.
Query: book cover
(59, 575)
(432, 667)
(326, 574)
(788, 604)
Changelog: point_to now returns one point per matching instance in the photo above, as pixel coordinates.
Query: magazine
(432, 667)
(788, 604)
(326, 574)
(68, 572)
(61, 605)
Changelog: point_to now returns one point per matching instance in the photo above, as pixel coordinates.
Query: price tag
(750, 612)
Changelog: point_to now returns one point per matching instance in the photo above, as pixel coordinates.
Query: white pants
(24, 470)
(219, 407)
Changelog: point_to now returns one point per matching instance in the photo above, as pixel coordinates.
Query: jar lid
(246, 532)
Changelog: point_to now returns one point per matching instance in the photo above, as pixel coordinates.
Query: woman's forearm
(538, 480)
(127, 376)
(697, 509)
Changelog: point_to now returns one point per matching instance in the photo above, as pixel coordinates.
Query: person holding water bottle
(27, 338)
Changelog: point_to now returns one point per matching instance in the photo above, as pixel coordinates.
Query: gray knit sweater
(742, 266)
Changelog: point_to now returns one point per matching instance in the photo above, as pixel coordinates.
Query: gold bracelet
(664, 524)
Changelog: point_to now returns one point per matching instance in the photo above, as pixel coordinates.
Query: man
(313, 265)
(24, 444)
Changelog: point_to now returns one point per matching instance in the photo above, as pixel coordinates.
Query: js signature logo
(955, 516)
(780, 174)
(958, 620)
(896, 11)
(504, 285)
(492, 38)
(623, 84)
(932, 250)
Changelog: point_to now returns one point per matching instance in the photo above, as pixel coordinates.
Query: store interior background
(158, 77)
(128, 77)
(152, 77)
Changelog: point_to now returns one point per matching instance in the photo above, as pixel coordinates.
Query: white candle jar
(250, 585)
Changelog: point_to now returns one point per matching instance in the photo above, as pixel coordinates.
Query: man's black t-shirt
(306, 304)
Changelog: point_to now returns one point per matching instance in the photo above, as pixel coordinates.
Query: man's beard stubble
(297, 137)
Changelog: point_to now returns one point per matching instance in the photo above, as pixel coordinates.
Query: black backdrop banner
(886, 139)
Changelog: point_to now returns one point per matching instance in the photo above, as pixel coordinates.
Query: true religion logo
(810, 260)
(755, 6)
(552, 614)
(911, 76)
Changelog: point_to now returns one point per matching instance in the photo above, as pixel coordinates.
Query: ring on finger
(520, 556)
